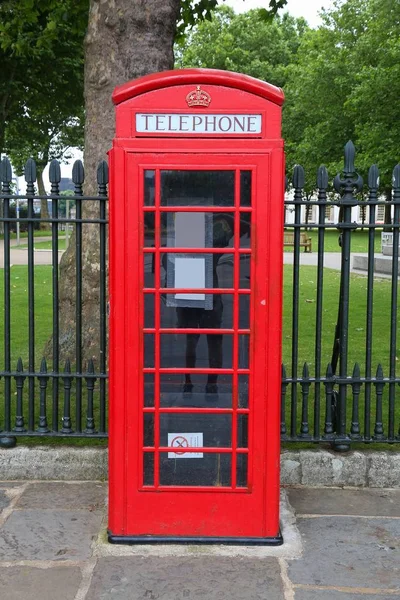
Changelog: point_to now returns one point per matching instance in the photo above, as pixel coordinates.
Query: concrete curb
(313, 468)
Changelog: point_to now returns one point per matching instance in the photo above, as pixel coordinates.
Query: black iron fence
(339, 373)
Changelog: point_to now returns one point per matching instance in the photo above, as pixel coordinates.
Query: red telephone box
(196, 227)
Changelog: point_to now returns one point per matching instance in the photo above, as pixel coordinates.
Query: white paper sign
(205, 123)
(180, 441)
(190, 273)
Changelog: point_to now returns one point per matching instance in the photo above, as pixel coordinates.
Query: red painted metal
(228, 512)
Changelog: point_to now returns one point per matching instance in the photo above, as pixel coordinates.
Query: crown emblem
(198, 97)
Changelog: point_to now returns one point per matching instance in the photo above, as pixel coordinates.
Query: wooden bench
(305, 241)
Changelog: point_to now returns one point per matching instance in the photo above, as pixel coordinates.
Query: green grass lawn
(359, 240)
(306, 330)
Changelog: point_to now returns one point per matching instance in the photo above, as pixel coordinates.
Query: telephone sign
(196, 228)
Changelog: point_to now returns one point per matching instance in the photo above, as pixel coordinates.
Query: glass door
(197, 264)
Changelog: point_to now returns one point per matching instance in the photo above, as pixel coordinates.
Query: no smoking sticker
(182, 441)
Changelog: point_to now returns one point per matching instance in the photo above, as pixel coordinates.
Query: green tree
(345, 86)
(44, 43)
(246, 43)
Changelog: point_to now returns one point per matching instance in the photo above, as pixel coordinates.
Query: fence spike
(67, 367)
(90, 366)
(298, 177)
(373, 177)
(329, 371)
(322, 177)
(5, 170)
(396, 176)
(283, 372)
(379, 372)
(356, 387)
(306, 372)
(43, 366)
(102, 173)
(54, 171)
(349, 158)
(30, 171)
(78, 173)
(20, 366)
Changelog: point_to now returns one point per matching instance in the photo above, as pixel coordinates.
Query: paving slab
(348, 552)
(20, 583)
(49, 494)
(333, 595)
(365, 502)
(49, 534)
(178, 578)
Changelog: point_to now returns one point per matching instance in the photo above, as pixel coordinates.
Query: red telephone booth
(196, 222)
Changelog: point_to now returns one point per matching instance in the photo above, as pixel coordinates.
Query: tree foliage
(42, 47)
(346, 85)
(246, 43)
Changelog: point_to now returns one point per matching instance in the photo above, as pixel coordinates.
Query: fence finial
(298, 177)
(373, 177)
(396, 176)
(78, 173)
(5, 170)
(54, 171)
(102, 173)
(30, 171)
(322, 177)
(349, 157)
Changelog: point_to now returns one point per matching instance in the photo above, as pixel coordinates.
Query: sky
(298, 8)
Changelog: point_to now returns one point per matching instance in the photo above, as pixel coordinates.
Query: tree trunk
(44, 209)
(125, 40)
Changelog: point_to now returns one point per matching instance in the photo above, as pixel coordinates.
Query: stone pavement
(52, 543)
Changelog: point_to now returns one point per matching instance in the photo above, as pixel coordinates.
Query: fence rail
(339, 379)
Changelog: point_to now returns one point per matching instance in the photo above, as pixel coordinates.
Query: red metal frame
(156, 512)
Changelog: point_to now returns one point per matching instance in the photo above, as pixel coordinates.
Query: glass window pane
(199, 430)
(148, 308)
(245, 188)
(195, 271)
(241, 470)
(242, 431)
(148, 468)
(199, 229)
(197, 188)
(244, 311)
(208, 470)
(243, 349)
(149, 350)
(149, 229)
(243, 391)
(148, 268)
(196, 350)
(148, 389)
(149, 187)
(197, 392)
(220, 316)
(244, 271)
(148, 429)
(245, 230)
